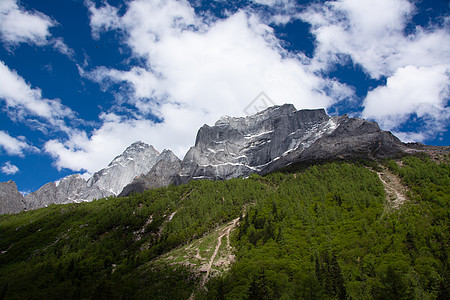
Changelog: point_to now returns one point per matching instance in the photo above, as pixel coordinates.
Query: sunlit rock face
(274, 138)
(11, 201)
(70, 189)
(137, 159)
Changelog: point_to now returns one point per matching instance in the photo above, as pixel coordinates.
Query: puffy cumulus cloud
(194, 72)
(9, 169)
(103, 18)
(20, 26)
(23, 101)
(372, 33)
(137, 82)
(14, 146)
(420, 91)
(217, 68)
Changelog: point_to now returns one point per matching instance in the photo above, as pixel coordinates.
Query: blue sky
(81, 80)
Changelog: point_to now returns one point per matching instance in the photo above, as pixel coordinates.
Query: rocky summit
(280, 136)
(271, 140)
(234, 147)
(138, 159)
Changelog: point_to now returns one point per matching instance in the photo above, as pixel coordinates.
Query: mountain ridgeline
(234, 147)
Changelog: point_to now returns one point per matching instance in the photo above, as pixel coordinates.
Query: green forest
(326, 231)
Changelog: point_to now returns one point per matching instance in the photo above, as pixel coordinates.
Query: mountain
(270, 140)
(279, 136)
(165, 171)
(138, 159)
(70, 189)
(234, 147)
(11, 201)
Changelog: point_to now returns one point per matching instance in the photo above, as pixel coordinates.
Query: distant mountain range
(233, 147)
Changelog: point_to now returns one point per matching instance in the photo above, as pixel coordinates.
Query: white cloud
(23, 101)
(423, 91)
(9, 169)
(12, 145)
(195, 72)
(371, 32)
(61, 47)
(103, 18)
(20, 26)
(217, 67)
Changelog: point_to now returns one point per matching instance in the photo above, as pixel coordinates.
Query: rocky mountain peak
(168, 155)
(11, 200)
(233, 147)
(239, 146)
(134, 150)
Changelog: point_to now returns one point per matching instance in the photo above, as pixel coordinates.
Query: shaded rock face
(236, 147)
(11, 201)
(352, 138)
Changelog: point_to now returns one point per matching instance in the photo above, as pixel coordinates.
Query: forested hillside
(327, 231)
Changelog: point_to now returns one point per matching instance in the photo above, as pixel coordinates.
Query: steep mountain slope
(236, 147)
(137, 159)
(70, 189)
(323, 232)
(165, 171)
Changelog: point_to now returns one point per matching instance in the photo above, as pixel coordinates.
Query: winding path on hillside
(226, 231)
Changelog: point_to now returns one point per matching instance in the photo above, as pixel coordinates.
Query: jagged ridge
(233, 147)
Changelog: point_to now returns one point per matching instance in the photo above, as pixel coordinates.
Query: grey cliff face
(351, 138)
(137, 159)
(165, 172)
(70, 189)
(236, 147)
(267, 141)
(11, 201)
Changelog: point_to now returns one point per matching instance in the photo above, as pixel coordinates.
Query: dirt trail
(226, 231)
(394, 188)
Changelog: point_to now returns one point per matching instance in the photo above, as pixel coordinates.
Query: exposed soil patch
(223, 260)
(395, 190)
(208, 256)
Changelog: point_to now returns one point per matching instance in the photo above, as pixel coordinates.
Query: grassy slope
(318, 233)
